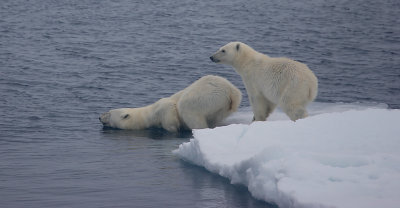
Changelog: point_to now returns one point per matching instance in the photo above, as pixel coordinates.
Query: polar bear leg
(171, 124)
(294, 111)
(193, 121)
(270, 106)
(164, 113)
(171, 128)
(262, 108)
(294, 105)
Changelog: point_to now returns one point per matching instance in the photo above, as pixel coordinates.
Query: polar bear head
(122, 118)
(235, 54)
(227, 53)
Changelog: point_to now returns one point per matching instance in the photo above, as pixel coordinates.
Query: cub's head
(122, 118)
(228, 53)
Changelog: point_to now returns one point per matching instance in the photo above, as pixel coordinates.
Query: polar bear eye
(126, 116)
(223, 51)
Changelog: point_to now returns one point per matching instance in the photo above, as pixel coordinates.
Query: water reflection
(153, 133)
(213, 189)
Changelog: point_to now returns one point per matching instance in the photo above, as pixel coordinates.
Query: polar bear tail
(235, 99)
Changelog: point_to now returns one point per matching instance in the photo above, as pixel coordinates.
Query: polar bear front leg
(171, 123)
(261, 107)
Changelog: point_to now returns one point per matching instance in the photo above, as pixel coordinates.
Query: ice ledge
(339, 159)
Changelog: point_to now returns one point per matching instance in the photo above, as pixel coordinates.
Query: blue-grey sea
(63, 63)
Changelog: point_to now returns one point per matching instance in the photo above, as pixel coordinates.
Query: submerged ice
(337, 158)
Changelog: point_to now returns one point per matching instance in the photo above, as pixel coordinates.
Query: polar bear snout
(214, 59)
(105, 118)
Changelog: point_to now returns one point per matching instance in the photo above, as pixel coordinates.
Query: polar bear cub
(203, 104)
(270, 81)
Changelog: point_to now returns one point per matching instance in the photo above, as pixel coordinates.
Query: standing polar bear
(203, 104)
(270, 81)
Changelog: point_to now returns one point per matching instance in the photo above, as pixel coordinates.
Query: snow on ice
(342, 156)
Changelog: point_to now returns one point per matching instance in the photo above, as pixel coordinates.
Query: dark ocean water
(62, 63)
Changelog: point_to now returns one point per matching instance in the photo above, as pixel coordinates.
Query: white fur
(203, 104)
(271, 81)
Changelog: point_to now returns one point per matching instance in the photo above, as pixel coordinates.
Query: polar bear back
(211, 97)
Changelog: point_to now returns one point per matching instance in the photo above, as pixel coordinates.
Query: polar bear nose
(214, 59)
(105, 117)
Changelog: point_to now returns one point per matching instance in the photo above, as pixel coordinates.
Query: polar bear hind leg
(295, 111)
(194, 121)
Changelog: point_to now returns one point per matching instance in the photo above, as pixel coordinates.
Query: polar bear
(203, 104)
(270, 81)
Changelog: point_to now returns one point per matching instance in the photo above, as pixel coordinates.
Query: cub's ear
(237, 47)
(125, 116)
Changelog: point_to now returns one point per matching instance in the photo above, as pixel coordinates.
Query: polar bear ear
(237, 47)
